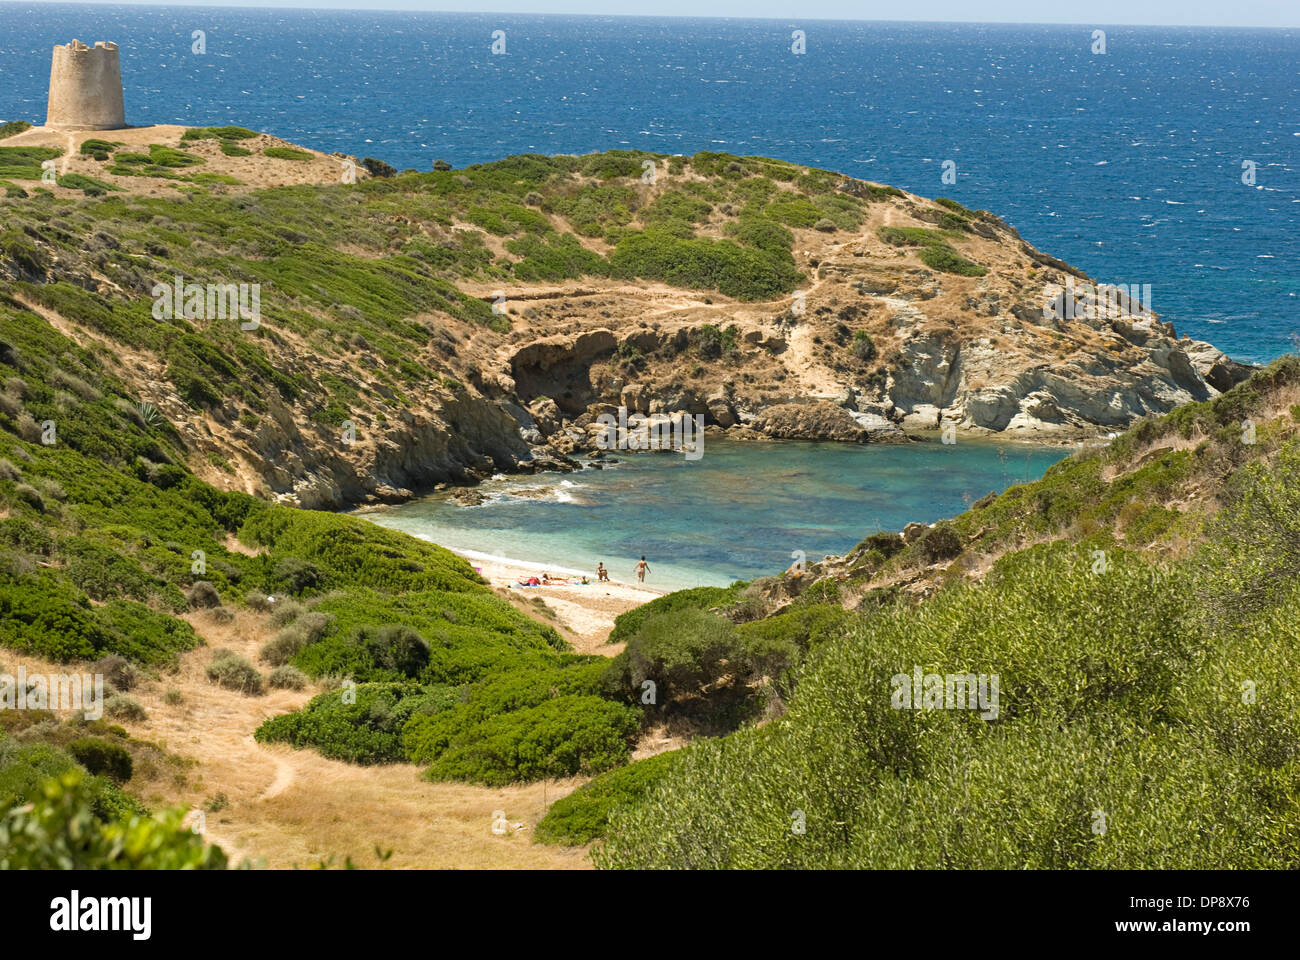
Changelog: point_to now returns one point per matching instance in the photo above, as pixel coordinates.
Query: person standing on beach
(601, 572)
(642, 569)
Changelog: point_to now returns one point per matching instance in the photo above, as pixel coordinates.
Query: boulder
(810, 421)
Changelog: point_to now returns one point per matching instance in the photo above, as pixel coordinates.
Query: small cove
(737, 513)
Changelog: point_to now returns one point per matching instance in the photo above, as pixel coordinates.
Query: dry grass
(290, 808)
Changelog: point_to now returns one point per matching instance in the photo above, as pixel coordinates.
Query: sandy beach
(584, 613)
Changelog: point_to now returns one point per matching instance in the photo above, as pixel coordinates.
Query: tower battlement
(86, 88)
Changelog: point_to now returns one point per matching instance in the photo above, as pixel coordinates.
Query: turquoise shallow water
(736, 513)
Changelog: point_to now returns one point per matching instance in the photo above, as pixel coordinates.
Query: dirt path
(285, 807)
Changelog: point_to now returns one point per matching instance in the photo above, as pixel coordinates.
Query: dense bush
(429, 735)
(940, 542)
(679, 651)
(628, 624)
(61, 832)
(233, 672)
(562, 737)
(287, 678)
(121, 707)
(102, 756)
(583, 815)
(742, 272)
(1107, 701)
(360, 724)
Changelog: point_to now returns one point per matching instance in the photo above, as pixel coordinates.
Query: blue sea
(1127, 164)
(740, 511)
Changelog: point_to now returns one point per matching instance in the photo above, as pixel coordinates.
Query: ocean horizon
(1127, 164)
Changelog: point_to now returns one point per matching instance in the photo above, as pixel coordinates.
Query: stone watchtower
(86, 88)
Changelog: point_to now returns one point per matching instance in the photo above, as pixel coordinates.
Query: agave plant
(149, 413)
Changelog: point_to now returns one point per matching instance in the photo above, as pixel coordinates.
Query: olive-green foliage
(25, 767)
(583, 815)
(24, 163)
(102, 756)
(557, 257)
(561, 737)
(60, 831)
(97, 149)
(948, 260)
(702, 598)
(287, 153)
(232, 671)
(87, 185)
(218, 133)
(163, 156)
(13, 127)
(741, 272)
(935, 253)
(679, 651)
(909, 236)
(1255, 541)
(361, 723)
(1112, 698)
(287, 678)
(428, 736)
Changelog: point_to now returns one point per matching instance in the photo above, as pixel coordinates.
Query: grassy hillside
(1138, 606)
(108, 543)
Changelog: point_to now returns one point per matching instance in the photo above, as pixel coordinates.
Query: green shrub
(233, 672)
(948, 260)
(287, 153)
(583, 816)
(98, 755)
(203, 595)
(24, 163)
(288, 678)
(13, 127)
(940, 542)
(864, 348)
(627, 625)
(121, 707)
(60, 832)
(679, 651)
(218, 133)
(563, 737)
(163, 156)
(282, 648)
(427, 736)
(366, 730)
(285, 612)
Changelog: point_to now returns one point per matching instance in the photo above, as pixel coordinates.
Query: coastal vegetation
(1134, 607)
(1128, 600)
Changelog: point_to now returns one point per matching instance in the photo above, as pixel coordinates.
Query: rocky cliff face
(907, 316)
(877, 346)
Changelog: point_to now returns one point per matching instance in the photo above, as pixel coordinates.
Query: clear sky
(1229, 13)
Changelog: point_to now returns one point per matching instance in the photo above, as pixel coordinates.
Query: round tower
(86, 88)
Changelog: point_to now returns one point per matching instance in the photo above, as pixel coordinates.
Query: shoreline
(585, 611)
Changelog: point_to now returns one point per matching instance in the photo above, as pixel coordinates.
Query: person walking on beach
(642, 569)
(601, 573)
